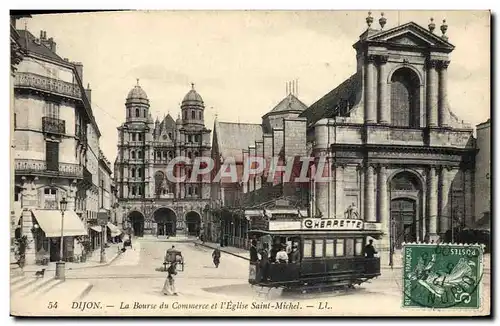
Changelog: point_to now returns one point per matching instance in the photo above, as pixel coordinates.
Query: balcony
(45, 84)
(39, 167)
(53, 126)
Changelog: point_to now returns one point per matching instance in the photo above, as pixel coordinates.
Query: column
(383, 211)
(443, 94)
(339, 191)
(369, 195)
(468, 197)
(444, 201)
(321, 184)
(384, 110)
(29, 202)
(370, 95)
(432, 203)
(431, 94)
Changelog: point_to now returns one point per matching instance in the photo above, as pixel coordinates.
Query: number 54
(52, 305)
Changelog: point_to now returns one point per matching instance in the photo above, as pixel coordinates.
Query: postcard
(250, 163)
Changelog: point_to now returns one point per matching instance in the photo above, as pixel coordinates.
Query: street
(131, 280)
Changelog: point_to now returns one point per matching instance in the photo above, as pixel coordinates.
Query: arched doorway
(406, 224)
(137, 223)
(193, 223)
(166, 221)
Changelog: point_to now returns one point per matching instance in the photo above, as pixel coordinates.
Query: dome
(192, 97)
(137, 94)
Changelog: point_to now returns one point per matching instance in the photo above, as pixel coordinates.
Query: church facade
(151, 203)
(399, 156)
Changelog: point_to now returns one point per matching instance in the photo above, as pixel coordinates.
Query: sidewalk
(93, 261)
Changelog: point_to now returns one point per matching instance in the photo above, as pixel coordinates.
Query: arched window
(133, 136)
(159, 180)
(132, 154)
(170, 155)
(133, 190)
(185, 115)
(139, 137)
(139, 190)
(170, 135)
(190, 191)
(193, 115)
(133, 172)
(137, 113)
(139, 154)
(405, 98)
(139, 172)
(199, 115)
(189, 154)
(405, 181)
(195, 190)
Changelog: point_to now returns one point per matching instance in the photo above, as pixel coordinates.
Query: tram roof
(372, 233)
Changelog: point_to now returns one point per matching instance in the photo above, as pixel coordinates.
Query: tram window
(358, 247)
(339, 247)
(349, 247)
(329, 248)
(318, 248)
(307, 248)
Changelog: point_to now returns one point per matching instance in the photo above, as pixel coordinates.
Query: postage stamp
(442, 275)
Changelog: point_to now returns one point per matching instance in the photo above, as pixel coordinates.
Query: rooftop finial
(137, 81)
(369, 19)
(432, 26)
(192, 86)
(382, 21)
(444, 28)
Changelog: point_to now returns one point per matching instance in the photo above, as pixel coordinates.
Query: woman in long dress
(169, 285)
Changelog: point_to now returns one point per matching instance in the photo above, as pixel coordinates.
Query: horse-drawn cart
(174, 256)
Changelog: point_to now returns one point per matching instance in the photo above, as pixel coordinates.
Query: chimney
(79, 69)
(42, 35)
(88, 92)
(49, 43)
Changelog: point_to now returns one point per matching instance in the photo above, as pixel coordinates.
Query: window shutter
(52, 156)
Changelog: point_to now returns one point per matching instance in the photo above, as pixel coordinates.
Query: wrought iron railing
(46, 84)
(53, 125)
(29, 166)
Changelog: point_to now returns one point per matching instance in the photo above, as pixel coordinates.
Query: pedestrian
(370, 250)
(216, 257)
(254, 257)
(169, 285)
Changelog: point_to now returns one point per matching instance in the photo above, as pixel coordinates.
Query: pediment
(411, 34)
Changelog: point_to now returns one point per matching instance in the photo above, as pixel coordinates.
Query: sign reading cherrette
(331, 224)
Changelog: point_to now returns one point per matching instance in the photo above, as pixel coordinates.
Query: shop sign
(331, 224)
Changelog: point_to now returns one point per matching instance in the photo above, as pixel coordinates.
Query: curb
(224, 251)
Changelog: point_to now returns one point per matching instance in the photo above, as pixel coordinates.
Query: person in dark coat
(216, 257)
(370, 250)
(264, 262)
(254, 257)
(294, 255)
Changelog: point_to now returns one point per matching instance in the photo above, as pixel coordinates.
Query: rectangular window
(329, 248)
(358, 248)
(139, 137)
(307, 252)
(349, 247)
(51, 110)
(318, 248)
(52, 155)
(339, 247)
(133, 137)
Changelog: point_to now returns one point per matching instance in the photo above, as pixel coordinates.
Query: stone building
(398, 153)
(236, 204)
(55, 138)
(151, 203)
(482, 215)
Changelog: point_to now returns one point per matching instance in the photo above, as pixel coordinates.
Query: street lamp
(60, 266)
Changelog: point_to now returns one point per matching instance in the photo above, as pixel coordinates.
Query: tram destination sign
(331, 224)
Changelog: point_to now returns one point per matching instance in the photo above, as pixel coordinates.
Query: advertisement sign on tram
(331, 224)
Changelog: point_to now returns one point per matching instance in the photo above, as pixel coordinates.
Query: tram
(330, 254)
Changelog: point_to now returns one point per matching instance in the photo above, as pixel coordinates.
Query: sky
(240, 61)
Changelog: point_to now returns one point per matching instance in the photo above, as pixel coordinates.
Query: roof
(168, 124)
(289, 104)
(192, 96)
(137, 93)
(342, 97)
(233, 137)
(27, 41)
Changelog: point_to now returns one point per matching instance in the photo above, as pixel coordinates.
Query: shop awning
(96, 228)
(115, 231)
(50, 223)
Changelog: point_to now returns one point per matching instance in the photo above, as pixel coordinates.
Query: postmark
(442, 275)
